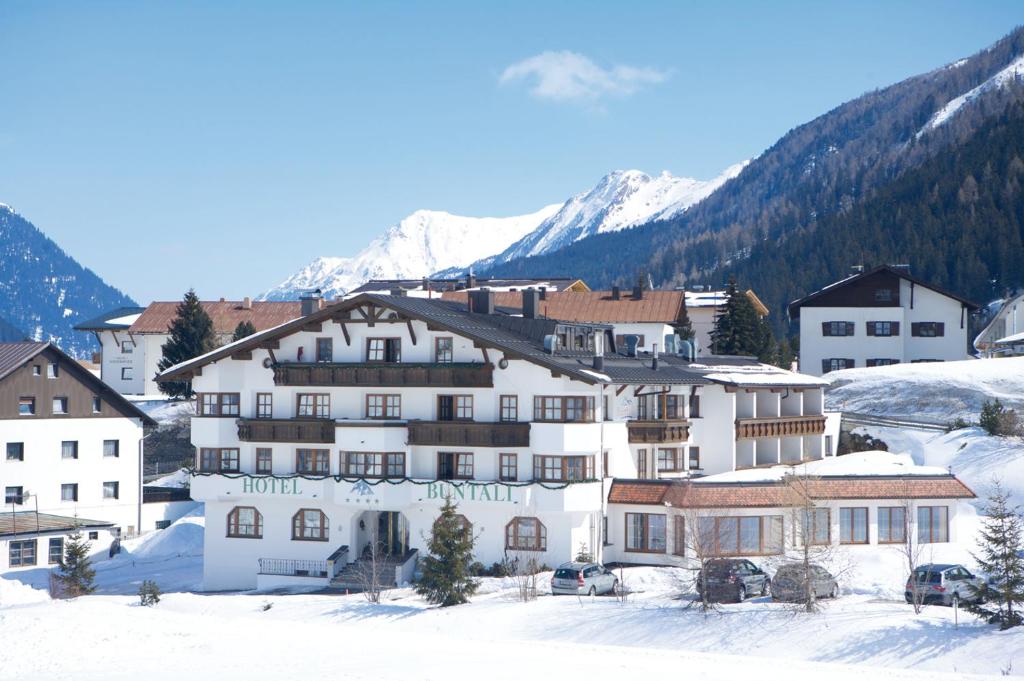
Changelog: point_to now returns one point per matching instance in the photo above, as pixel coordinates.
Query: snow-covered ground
(867, 633)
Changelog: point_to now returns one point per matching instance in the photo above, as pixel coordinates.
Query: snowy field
(868, 631)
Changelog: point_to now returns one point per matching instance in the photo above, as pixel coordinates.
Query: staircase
(391, 571)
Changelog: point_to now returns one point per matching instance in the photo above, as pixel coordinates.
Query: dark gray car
(790, 581)
(732, 579)
(942, 584)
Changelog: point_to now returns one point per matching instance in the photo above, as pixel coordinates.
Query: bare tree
(700, 548)
(523, 568)
(909, 548)
(373, 572)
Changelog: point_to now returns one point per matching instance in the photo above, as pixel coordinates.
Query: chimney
(471, 280)
(632, 341)
(531, 303)
(654, 361)
(398, 291)
(616, 293)
(310, 302)
(543, 292)
(481, 301)
(247, 303)
(599, 351)
(638, 292)
(856, 269)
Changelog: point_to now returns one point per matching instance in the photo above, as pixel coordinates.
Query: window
(245, 522)
(309, 524)
(56, 552)
(883, 295)
(853, 526)
(313, 405)
(881, 362)
(694, 406)
(828, 445)
(15, 451)
(22, 553)
(218, 404)
(645, 532)
(69, 491)
(444, 349)
(69, 449)
(928, 329)
(454, 407)
(383, 406)
(526, 534)
(264, 460)
(37, 370)
(563, 409)
(313, 461)
(52, 370)
(454, 466)
(837, 328)
(127, 347)
(835, 364)
(14, 495)
(816, 526)
(892, 525)
(60, 405)
(694, 453)
(264, 405)
(324, 350)
(883, 328)
(670, 459)
(111, 490)
(741, 535)
(508, 467)
(672, 407)
(606, 410)
(932, 524)
(641, 463)
(126, 373)
(509, 408)
(374, 464)
(111, 448)
(222, 460)
(93, 536)
(97, 405)
(563, 468)
(384, 350)
(162, 524)
(26, 406)
(620, 340)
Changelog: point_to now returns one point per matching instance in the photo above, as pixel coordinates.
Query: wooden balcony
(469, 434)
(658, 432)
(409, 375)
(320, 431)
(779, 426)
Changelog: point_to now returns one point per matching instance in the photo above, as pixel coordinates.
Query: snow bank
(183, 538)
(13, 592)
(178, 478)
(860, 463)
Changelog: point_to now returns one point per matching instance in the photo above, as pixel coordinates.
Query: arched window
(526, 534)
(309, 524)
(245, 522)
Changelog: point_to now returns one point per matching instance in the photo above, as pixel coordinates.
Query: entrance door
(392, 533)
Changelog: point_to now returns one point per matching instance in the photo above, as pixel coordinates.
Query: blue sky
(222, 145)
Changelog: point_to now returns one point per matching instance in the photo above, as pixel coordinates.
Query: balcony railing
(293, 568)
(779, 426)
(320, 431)
(469, 434)
(655, 432)
(410, 375)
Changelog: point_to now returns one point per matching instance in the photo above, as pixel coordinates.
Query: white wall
(99, 548)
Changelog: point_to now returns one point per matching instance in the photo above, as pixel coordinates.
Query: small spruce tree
(997, 419)
(1000, 598)
(738, 330)
(191, 335)
(74, 574)
(447, 578)
(243, 329)
(149, 593)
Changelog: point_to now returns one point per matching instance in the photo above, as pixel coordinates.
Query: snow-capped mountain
(423, 243)
(434, 242)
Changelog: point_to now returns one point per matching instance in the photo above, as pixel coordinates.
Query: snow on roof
(857, 464)
(755, 374)
(1013, 338)
(126, 320)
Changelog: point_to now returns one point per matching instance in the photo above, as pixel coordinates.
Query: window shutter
(871, 328)
(850, 329)
(940, 328)
(825, 327)
(824, 366)
(895, 328)
(915, 328)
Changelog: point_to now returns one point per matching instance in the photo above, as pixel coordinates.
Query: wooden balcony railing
(779, 426)
(319, 431)
(469, 434)
(655, 432)
(409, 375)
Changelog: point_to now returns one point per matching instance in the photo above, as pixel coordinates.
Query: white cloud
(568, 76)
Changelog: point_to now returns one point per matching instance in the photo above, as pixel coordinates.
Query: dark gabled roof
(460, 283)
(901, 273)
(103, 322)
(13, 356)
(29, 523)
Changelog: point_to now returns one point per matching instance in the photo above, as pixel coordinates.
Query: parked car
(583, 578)
(732, 578)
(942, 584)
(788, 582)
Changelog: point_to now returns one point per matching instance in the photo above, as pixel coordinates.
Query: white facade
(129, 362)
(13, 549)
(1003, 336)
(946, 339)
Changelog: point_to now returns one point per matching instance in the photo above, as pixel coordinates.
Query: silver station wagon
(583, 578)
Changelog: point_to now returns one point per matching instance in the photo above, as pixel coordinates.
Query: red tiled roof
(226, 315)
(638, 491)
(594, 306)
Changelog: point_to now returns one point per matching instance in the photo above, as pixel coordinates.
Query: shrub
(149, 593)
(998, 420)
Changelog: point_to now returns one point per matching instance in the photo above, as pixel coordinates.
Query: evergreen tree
(683, 327)
(149, 593)
(243, 329)
(191, 335)
(738, 330)
(447, 578)
(999, 556)
(785, 355)
(75, 575)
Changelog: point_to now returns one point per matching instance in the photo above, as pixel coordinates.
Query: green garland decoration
(373, 482)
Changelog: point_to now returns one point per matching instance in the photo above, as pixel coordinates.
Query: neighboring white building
(1003, 336)
(72, 448)
(879, 317)
(404, 402)
(132, 338)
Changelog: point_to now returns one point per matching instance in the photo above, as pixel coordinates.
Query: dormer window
(384, 350)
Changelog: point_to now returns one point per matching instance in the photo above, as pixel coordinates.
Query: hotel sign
(286, 486)
(469, 492)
